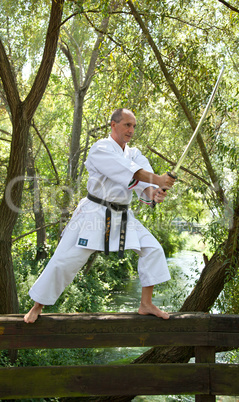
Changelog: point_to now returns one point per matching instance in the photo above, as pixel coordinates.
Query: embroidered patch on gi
(82, 242)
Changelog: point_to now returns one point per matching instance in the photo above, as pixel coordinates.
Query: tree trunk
(76, 135)
(8, 291)
(37, 205)
(80, 93)
(9, 210)
(21, 114)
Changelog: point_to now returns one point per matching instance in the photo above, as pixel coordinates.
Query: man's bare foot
(152, 309)
(33, 314)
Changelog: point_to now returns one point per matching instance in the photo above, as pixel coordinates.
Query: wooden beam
(39, 382)
(137, 379)
(118, 329)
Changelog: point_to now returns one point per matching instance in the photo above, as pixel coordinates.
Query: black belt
(116, 207)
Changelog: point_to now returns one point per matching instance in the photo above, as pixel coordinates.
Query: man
(102, 220)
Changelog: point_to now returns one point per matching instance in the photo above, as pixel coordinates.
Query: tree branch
(4, 139)
(95, 52)
(65, 49)
(229, 6)
(8, 80)
(42, 77)
(5, 132)
(47, 150)
(183, 168)
(95, 129)
(34, 230)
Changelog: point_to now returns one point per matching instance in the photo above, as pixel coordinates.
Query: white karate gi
(111, 171)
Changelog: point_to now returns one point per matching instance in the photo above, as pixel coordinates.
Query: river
(185, 265)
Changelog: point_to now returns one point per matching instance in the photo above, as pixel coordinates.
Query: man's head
(123, 124)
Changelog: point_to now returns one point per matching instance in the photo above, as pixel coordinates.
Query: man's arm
(164, 181)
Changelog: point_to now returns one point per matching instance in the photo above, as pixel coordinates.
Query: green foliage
(194, 39)
(115, 271)
(45, 357)
(228, 302)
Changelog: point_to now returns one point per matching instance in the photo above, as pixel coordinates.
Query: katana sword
(192, 139)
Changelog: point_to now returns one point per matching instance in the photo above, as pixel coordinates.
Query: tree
(22, 113)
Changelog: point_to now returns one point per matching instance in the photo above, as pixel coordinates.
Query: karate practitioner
(102, 220)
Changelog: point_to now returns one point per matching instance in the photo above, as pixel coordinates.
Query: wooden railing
(204, 378)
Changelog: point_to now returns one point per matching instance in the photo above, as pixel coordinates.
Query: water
(188, 266)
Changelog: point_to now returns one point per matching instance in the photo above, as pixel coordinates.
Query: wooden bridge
(205, 332)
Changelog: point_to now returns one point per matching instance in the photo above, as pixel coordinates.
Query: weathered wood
(145, 379)
(118, 329)
(205, 398)
(205, 354)
(224, 382)
(205, 379)
(102, 380)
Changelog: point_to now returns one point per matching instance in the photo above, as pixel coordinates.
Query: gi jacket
(111, 171)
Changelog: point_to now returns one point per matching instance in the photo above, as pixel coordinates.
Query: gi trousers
(69, 259)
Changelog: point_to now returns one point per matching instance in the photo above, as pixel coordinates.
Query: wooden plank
(121, 322)
(224, 323)
(225, 379)
(223, 339)
(113, 330)
(114, 340)
(145, 379)
(108, 322)
(70, 323)
(98, 330)
(205, 398)
(102, 340)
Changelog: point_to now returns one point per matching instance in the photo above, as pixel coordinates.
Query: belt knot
(118, 208)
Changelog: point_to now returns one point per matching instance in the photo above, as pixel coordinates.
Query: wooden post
(205, 354)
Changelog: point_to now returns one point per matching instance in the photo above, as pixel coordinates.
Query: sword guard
(172, 174)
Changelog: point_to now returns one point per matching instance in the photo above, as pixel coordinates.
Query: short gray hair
(117, 115)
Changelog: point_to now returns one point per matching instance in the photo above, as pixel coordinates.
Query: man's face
(123, 131)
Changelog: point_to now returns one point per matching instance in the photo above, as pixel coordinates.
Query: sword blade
(189, 146)
(192, 139)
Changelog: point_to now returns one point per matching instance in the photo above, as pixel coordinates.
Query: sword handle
(171, 174)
